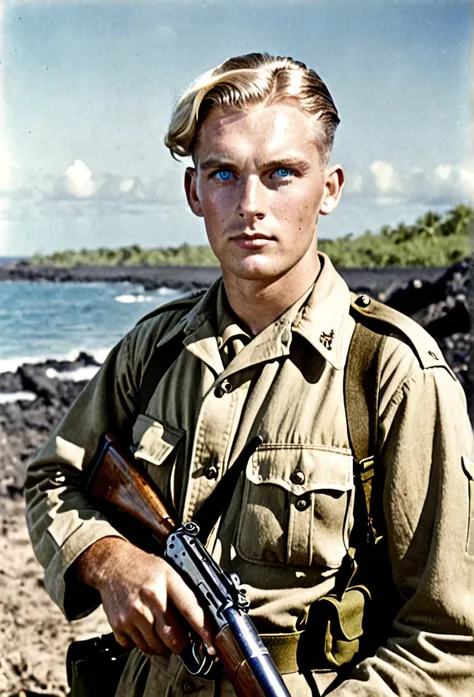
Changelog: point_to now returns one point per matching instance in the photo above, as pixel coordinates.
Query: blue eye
(283, 172)
(223, 175)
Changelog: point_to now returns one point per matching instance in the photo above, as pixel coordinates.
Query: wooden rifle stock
(117, 480)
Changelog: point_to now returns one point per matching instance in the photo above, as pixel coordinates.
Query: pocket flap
(154, 440)
(346, 615)
(318, 468)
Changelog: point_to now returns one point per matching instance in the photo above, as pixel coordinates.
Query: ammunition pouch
(333, 635)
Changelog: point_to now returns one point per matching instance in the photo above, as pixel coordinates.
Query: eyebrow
(285, 161)
(214, 163)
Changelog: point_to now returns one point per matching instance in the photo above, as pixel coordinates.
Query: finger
(150, 635)
(123, 639)
(171, 631)
(187, 605)
(139, 640)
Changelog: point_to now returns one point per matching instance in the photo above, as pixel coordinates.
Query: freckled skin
(260, 185)
(257, 200)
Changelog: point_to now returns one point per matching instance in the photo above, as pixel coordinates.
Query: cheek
(215, 203)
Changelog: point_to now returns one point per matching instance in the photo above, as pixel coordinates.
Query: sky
(87, 89)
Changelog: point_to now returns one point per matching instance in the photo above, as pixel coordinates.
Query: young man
(264, 352)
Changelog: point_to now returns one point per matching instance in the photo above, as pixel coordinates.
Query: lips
(256, 241)
(254, 236)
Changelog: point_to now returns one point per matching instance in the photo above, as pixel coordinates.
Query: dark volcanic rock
(25, 425)
(151, 277)
(437, 298)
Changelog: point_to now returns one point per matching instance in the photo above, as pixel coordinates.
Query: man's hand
(144, 598)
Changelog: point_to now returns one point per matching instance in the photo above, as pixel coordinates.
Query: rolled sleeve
(427, 441)
(61, 520)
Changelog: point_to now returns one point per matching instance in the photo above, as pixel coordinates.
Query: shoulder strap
(361, 391)
(158, 364)
(186, 303)
(161, 359)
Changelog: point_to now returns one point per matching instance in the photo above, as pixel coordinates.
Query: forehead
(268, 130)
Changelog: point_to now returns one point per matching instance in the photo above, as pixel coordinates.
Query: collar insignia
(326, 339)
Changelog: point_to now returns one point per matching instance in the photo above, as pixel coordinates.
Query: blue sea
(40, 320)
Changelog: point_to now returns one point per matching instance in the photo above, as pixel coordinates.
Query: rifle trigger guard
(198, 662)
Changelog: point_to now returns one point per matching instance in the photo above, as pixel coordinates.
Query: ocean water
(40, 320)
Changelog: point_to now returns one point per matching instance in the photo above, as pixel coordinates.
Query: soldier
(265, 351)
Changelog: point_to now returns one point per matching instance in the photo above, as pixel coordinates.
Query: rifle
(116, 479)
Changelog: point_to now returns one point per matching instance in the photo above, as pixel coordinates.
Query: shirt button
(189, 687)
(210, 472)
(298, 477)
(224, 388)
(302, 503)
(363, 300)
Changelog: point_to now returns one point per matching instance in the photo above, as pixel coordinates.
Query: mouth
(255, 241)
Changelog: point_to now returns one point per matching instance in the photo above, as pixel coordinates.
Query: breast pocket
(297, 506)
(156, 445)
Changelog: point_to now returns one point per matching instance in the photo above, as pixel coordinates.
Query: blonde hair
(245, 81)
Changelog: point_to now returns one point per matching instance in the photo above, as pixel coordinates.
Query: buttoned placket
(216, 423)
(221, 409)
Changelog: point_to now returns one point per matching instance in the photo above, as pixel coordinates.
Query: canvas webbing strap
(158, 364)
(283, 648)
(361, 394)
(217, 502)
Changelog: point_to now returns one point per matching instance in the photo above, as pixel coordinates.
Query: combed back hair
(243, 82)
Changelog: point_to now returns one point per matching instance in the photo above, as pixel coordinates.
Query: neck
(259, 303)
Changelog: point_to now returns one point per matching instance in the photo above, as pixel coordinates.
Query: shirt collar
(227, 325)
(196, 317)
(325, 318)
(321, 316)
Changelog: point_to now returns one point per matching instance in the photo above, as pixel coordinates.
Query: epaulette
(387, 320)
(187, 302)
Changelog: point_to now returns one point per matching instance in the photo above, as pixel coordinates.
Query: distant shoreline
(188, 278)
(151, 277)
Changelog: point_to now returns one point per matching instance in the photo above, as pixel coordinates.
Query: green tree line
(434, 239)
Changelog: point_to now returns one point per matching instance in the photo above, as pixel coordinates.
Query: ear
(190, 187)
(334, 185)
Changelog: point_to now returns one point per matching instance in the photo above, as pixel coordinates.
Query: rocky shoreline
(436, 298)
(33, 634)
(186, 278)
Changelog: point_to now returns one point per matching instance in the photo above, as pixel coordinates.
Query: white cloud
(446, 184)
(386, 179)
(78, 181)
(444, 172)
(79, 189)
(126, 185)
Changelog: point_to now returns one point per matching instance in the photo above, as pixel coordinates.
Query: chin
(253, 270)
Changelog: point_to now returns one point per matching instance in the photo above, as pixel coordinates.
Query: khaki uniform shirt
(285, 384)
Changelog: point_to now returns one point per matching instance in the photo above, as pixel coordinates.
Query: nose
(253, 199)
